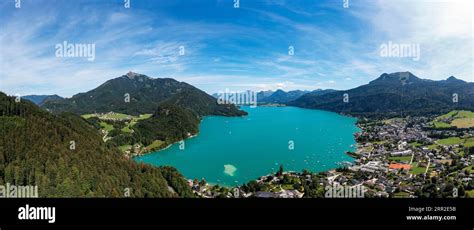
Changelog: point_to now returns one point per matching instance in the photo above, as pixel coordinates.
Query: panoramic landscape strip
(236, 99)
(396, 154)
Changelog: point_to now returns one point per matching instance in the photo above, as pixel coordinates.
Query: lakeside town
(412, 157)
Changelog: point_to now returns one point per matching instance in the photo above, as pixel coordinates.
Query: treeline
(65, 157)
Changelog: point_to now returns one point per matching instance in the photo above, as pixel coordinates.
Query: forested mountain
(65, 157)
(139, 94)
(40, 99)
(395, 94)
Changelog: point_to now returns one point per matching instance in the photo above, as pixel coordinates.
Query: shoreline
(168, 146)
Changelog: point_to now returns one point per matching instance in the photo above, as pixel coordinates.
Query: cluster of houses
(135, 150)
(209, 191)
(386, 150)
(282, 194)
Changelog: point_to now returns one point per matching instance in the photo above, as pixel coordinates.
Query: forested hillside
(65, 157)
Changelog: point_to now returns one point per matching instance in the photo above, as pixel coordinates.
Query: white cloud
(444, 30)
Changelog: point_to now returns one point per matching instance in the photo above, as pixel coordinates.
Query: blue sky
(231, 48)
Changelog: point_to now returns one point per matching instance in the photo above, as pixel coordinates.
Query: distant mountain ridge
(282, 97)
(395, 94)
(41, 99)
(135, 93)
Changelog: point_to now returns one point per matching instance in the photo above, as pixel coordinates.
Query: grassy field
(87, 116)
(467, 142)
(465, 114)
(450, 141)
(106, 126)
(118, 116)
(126, 129)
(287, 186)
(463, 122)
(155, 144)
(416, 169)
(123, 148)
(460, 119)
(143, 116)
(439, 124)
(400, 159)
(447, 115)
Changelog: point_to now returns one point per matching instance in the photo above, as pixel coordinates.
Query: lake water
(234, 150)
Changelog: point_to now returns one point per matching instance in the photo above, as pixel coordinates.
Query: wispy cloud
(334, 47)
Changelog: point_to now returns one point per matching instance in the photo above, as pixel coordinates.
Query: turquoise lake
(234, 150)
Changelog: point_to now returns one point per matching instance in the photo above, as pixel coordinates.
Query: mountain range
(139, 94)
(395, 94)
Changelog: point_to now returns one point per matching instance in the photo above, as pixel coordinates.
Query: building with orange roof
(400, 166)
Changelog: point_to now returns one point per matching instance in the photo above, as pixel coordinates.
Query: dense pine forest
(66, 157)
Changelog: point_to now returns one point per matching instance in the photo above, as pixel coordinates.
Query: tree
(202, 183)
(305, 172)
(461, 191)
(251, 186)
(280, 171)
